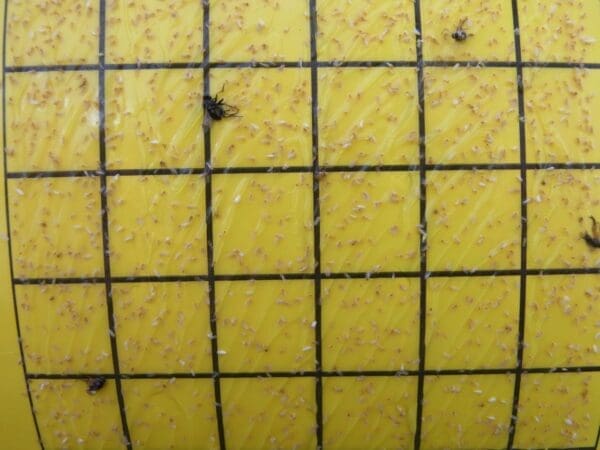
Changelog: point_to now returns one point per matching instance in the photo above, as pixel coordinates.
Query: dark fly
(217, 109)
(95, 384)
(460, 34)
(593, 239)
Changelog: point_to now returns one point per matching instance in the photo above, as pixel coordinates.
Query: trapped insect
(593, 240)
(95, 384)
(217, 109)
(460, 34)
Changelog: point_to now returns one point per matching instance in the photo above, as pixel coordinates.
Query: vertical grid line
(9, 242)
(209, 226)
(523, 274)
(104, 212)
(422, 225)
(314, 82)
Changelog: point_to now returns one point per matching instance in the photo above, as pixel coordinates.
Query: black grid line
(296, 64)
(214, 345)
(8, 232)
(105, 230)
(322, 373)
(523, 275)
(299, 169)
(422, 224)
(314, 83)
(307, 276)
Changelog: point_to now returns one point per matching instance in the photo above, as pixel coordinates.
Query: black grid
(10, 259)
(105, 236)
(523, 275)
(209, 231)
(316, 170)
(314, 88)
(422, 225)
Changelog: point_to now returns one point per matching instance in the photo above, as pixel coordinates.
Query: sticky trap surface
(380, 246)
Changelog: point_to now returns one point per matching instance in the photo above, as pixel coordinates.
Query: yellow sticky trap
(467, 411)
(171, 414)
(489, 28)
(263, 223)
(368, 116)
(274, 124)
(70, 418)
(370, 324)
(560, 203)
(464, 233)
(265, 326)
(153, 31)
(472, 322)
(58, 220)
(369, 221)
(154, 119)
(163, 327)
(369, 412)
(269, 412)
(561, 322)
(157, 225)
(562, 108)
(47, 33)
(560, 31)
(368, 31)
(64, 328)
(558, 410)
(52, 121)
(471, 115)
(275, 31)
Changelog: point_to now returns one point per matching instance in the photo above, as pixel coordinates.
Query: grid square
(467, 411)
(153, 31)
(52, 121)
(369, 412)
(63, 328)
(370, 324)
(66, 413)
(274, 124)
(458, 221)
(561, 322)
(243, 30)
(174, 414)
(146, 241)
(471, 115)
(368, 116)
(369, 221)
(163, 327)
(371, 31)
(154, 119)
(263, 223)
(62, 248)
(557, 31)
(558, 410)
(560, 203)
(46, 33)
(489, 26)
(472, 322)
(266, 326)
(562, 107)
(277, 411)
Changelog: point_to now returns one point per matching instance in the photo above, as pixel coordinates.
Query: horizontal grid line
(324, 373)
(295, 64)
(305, 276)
(297, 169)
